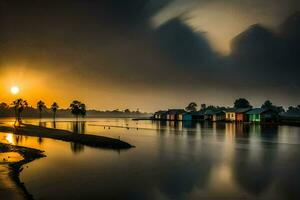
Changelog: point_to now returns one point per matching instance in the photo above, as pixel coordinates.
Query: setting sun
(14, 90)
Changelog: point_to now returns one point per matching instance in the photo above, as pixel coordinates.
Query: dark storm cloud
(262, 56)
(113, 41)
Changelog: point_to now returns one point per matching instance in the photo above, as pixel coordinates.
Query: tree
(242, 103)
(40, 106)
(192, 107)
(19, 106)
(82, 110)
(269, 105)
(78, 108)
(54, 108)
(3, 106)
(203, 106)
(127, 111)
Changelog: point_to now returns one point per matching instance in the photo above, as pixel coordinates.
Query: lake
(171, 160)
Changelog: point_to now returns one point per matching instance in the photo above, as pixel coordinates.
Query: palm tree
(78, 108)
(19, 106)
(82, 110)
(40, 106)
(54, 108)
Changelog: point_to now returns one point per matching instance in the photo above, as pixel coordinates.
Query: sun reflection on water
(10, 139)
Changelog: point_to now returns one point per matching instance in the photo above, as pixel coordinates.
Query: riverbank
(68, 136)
(10, 185)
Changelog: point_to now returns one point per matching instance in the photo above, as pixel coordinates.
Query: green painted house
(260, 115)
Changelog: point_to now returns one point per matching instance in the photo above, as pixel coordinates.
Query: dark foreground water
(170, 161)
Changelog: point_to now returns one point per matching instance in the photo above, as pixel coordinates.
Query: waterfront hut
(208, 115)
(187, 117)
(230, 114)
(160, 115)
(175, 114)
(198, 116)
(260, 115)
(240, 114)
(219, 116)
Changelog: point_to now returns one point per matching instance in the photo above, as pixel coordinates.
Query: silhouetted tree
(242, 103)
(192, 107)
(78, 108)
(269, 105)
(203, 106)
(127, 111)
(40, 106)
(3, 106)
(19, 106)
(82, 110)
(54, 108)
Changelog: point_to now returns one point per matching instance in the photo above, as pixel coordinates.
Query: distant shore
(68, 136)
(282, 122)
(10, 185)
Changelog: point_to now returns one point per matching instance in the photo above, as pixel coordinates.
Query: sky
(150, 54)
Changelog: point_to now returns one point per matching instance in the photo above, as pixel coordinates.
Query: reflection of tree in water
(190, 127)
(76, 147)
(18, 139)
(42, 124)
(287, 168)
(54, 124)
(242, 130)
(78, 127)
(40, 140)
(253, 167)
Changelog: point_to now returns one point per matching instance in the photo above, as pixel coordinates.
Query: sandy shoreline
(10, 185)
(68, 136)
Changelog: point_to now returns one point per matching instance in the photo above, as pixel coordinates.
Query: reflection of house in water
(176, 125)
(189, 124)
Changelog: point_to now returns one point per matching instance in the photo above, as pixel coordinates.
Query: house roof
(176, 111)
(242, 110)
(219, 112)
(230, 110)
(160, 112)
(208, 112)
(198, 113)
(256, 111)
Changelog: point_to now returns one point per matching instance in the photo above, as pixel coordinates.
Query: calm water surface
(170, 161)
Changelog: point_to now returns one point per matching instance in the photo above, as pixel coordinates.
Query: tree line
(242, 103)
(77, 108)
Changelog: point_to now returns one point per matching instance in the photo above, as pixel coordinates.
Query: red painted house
(240, 114)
